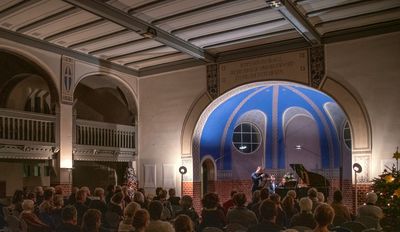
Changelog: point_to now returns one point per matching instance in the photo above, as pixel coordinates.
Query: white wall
(371, 67)
(164, 102)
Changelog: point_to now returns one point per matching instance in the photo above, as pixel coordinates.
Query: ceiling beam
(296, 19)
(141, 27)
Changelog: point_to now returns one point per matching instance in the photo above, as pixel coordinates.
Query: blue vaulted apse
(274, 100)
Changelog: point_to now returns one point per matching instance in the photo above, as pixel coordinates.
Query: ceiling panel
(160, 60)
(136, 34)
(34, 11)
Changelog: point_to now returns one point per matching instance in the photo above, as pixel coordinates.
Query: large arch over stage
(324, 115)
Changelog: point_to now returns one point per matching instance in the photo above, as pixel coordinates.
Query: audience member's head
(288, 202)
(264, 194)
(275, 198)
(39, 191)
(59, 190)
(305, 204)
(324, 215)
(239, 199)
(186, 202)
(183, 223)
(155, 210)
(86, 189)
(48, 194)
(312, 193)
(321, 197)
(292, 193)
(158, 190)
(337, 196)
(138, 197)
(371, 198)
(118, 189)
(99, 192)
(74, 190)
(130, 211)
(58, 201)
(162, 194)
(91, 220)
(210, 200)
(31, 196)
(268, 210)
(28, 205)
(110, 188)
(81, 196)
(69, 214)
(256, 196)
(171, 192)
(141, 219)
(117, 198)
(18, 196)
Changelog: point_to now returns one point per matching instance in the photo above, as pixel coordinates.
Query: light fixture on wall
(182, 171)
(357, 168)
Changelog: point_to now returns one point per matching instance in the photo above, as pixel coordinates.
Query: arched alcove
(208, 175)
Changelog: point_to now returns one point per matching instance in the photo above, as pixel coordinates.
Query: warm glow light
(242, 147)
(66, 163)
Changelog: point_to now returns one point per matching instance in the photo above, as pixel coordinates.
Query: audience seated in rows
(305, 217)
(239, 214)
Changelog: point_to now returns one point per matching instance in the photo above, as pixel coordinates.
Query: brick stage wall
(224, 187)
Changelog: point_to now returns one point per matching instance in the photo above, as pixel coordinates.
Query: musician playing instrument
(256, 177)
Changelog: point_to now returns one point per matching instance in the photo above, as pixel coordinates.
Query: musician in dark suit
(256, 177)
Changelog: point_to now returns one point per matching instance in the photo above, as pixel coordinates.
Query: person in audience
(370, 210)
(342, 213)
(129, 212)
(88, 195)
(239, 214)
(293, 194)
(289, 207)
(146, 201)
(268, 212)
(127, 197)
(141, 221)
(281, 218)
(39, 194)
(72, 197)
(56, 214)
(69, 219)
(80, 206)
(255, 198)
(138, 197)
(312, 194)
(183, 223)
(168, 213)
(173, 198)
(320, 197)
(212, 215)
(47, 204)
(17, 199)
(58, 189)
(91, 221)
(323, 215)
(118, 189)
(114, 212)
(157, 197)
(187, 209)
(98, 202)
(110, 192)
(156, 224)
(34, 224)
(264, 194)
(229, 203)
(305, 217)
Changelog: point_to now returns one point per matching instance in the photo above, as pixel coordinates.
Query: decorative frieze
(317, 66)
(212, 80)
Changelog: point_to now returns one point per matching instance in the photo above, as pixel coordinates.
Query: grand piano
(308, 180)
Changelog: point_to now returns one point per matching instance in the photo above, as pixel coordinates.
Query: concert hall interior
(195, 95)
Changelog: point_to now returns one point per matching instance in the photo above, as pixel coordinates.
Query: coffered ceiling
(144, 37)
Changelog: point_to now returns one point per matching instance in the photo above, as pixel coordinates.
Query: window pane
(246, 128)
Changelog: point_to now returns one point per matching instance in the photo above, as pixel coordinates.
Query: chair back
(369, 222)
(301, 228)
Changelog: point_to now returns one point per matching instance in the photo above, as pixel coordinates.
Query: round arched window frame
(246, 138)
(347, 135)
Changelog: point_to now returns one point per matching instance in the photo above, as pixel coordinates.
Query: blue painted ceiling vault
(274, 100)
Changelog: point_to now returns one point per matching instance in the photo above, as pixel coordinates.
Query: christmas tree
(387, 187)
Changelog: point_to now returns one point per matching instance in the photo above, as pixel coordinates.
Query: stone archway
(354, 110)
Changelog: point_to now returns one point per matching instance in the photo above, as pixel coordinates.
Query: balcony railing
(102, 134)
(27, 126)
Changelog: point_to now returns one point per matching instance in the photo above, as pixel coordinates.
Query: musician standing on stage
(256, 177)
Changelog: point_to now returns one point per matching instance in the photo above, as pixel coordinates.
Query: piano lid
(310, 178)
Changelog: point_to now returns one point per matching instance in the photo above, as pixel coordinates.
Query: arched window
(347, 135)
(246, 138)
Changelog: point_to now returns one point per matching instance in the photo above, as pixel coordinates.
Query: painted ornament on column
(131, 181)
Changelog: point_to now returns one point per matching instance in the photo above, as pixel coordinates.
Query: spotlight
(357, 168)
(298, 147)
(182, 170)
